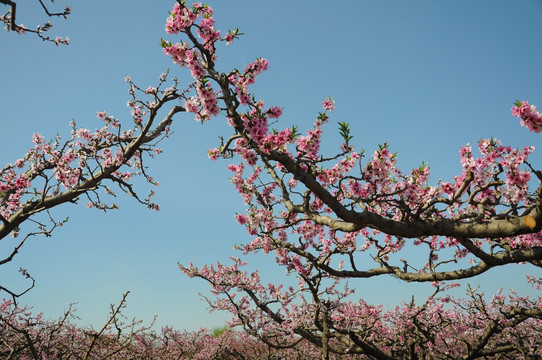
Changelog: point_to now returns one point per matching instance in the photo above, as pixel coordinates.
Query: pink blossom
(257, 67)
(329, 104)
(274, 112)
(37, 138)
(180, 18)
(213, 154)
(179, 53)
(529, 115)
(229, 38)
(191, 105)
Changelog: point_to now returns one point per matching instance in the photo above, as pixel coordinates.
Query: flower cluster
(208, 102)
(241, 82)
(529, 115)
(204, 103)
(180, 18)
(494, 157)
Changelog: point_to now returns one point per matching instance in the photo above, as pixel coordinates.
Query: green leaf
(164, 43)
(344, 131)
(295, 132)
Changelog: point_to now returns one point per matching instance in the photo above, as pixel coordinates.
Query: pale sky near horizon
(424, 76)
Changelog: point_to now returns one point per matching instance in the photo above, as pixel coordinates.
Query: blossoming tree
(325, 218)
(329, 218)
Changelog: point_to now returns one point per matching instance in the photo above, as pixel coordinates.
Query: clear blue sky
(424, 76)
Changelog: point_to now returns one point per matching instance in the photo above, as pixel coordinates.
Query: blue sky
(424, 76)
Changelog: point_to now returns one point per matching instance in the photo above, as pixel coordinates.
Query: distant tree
(25, 335)
(218, 331)
(10, 21)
